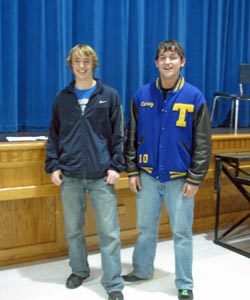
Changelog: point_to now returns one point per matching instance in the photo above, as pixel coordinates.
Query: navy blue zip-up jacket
(86, 145)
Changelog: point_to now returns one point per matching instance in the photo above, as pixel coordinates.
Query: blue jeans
(104, 204)
(180, 211)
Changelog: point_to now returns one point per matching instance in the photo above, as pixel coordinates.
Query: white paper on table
(25, 138)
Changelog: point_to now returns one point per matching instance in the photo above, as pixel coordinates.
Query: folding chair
(244, 78)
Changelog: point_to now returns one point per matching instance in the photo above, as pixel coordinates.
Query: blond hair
(83, 49)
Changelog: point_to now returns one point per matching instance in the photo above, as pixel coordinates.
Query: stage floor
(227, 130)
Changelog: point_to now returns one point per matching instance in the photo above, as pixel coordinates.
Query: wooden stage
(31, 219)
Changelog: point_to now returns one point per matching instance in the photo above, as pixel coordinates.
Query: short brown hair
(170, 45)
(83, 49)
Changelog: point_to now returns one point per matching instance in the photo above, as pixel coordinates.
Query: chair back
(244, 76)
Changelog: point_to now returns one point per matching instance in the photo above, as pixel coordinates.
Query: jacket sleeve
(201, 146)
(117, 140)
(52, 148)
(131, 142)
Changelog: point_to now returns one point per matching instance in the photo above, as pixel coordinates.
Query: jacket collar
(179, 84)
(99, 86)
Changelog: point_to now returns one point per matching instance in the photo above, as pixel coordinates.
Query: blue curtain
(36, 35)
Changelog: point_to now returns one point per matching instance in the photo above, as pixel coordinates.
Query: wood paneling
(27, 222)
(31, 216)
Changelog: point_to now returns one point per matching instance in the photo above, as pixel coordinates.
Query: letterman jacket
(169, 138)
(86, 145)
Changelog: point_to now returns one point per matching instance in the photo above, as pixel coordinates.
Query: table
(240, 178)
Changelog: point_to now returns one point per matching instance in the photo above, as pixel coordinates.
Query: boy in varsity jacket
(167, 156)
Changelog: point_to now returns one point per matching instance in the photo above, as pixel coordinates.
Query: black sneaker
(132, 278)
(116, 295)
(74, 281)
(185, 294)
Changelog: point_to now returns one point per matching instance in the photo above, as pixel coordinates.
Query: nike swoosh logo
(102, 101)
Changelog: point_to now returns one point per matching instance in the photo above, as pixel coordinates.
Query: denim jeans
(104, 204)
(180, 211)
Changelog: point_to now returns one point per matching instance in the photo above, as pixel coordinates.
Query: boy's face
(82, 66)
(169, 64)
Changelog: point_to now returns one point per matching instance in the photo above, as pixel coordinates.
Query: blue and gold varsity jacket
(169, 138)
